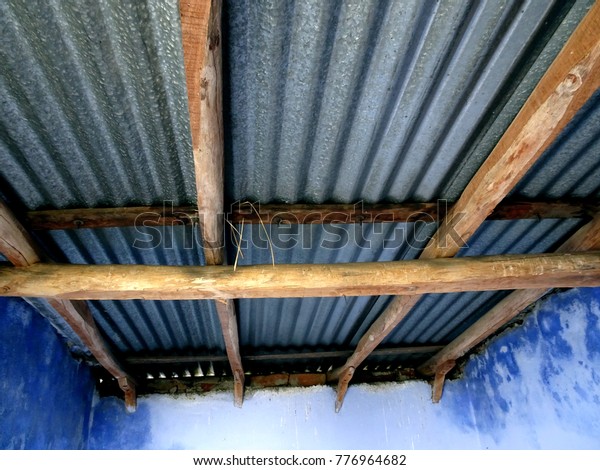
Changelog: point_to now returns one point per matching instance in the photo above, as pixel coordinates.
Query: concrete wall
(45, 395)
(535, 387)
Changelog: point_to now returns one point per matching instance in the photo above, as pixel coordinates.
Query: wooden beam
(565, 87)
(293, 356)
(69, 219)
(122, 282)
(15, 243)
(227, 317)
(406, 212)
(201, 29)
(202, 50)
(438, 381)
(587, 238)
(23, 252)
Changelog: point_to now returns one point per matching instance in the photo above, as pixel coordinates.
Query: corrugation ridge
(90, 129)
(456, 309)
(374, 28)
(136, 315)
(308, 41)
(465, 317)
(75, 85)
(20, 177)
(93, 130)
(48, 91)
(434, 87)
(504, 24)
(345, 67)
(111, 331)
(307, 148)
(153, 82)
(161, 324)
(110, 311)
(546, 40)
(174, 104)
(387, 108)
(129, 101)
(237, 108)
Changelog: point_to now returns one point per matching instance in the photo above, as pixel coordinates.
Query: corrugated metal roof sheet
(366, 100)
(146, 326)
(267, 324)
(93, 104)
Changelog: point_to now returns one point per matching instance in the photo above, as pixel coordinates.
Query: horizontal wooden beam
(69, 219)
(311, 355)
(586, 238)
(405, 212)
(120, 282)
(169, 215)
(16, 244)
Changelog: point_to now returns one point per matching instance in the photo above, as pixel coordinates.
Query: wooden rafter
(20, 249)
(68, 219)
(202, 50)
(201, 30)
(125, 282)
(565, 87)
(587, 238)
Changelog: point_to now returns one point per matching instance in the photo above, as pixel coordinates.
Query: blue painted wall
(45, 395)
(537, 386)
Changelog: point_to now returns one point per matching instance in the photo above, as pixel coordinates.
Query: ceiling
(324, 102)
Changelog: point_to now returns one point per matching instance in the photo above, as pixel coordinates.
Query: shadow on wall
(534, 387)
(45, 395)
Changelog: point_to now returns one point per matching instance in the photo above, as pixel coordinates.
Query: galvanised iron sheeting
(136, 326)
(315, 322)
(378, 100)
(93, 104)
(439, 318)
(267, 324)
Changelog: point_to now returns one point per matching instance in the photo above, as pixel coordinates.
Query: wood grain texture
(201, 28)
(16, 244)
(228, 320)
(202, 50)
(586, 238)
(438, 381)
(194, 31)
(121, 282)
(69, 219)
